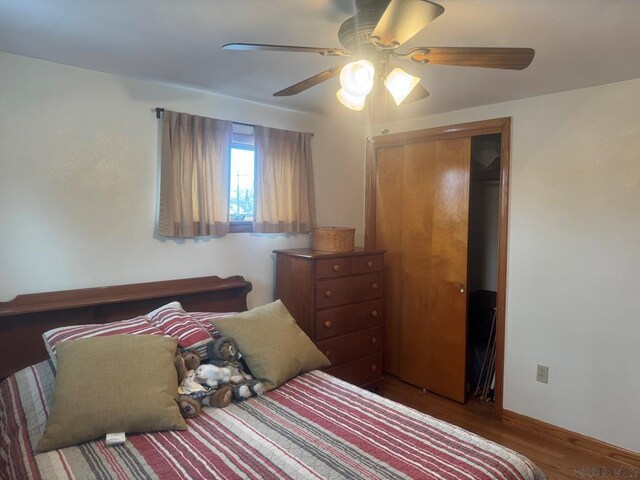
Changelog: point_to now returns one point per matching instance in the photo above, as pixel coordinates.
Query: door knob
(461, 287)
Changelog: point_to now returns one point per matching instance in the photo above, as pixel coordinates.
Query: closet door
(422, 203)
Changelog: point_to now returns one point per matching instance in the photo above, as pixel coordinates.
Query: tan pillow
(121, 383)
(272, 344)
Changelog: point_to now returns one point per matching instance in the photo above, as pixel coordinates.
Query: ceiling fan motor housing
(355, 32)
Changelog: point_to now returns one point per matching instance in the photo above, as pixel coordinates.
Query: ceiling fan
(372, 36)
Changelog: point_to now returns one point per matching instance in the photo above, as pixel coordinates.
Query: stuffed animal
(247, 389)
(191, 393)
(185, 361)
(224, 353)
(213, 375)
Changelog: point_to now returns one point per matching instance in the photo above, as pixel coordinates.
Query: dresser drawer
(347, 318)
(352, 345)
(369, 263)
(361, 371)
(335, 267)
(331, 293)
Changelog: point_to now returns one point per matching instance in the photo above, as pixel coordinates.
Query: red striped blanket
(314, 426)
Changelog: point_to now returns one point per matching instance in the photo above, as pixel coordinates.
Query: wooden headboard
(24, 319)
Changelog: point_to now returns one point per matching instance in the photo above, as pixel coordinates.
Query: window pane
(241, 194)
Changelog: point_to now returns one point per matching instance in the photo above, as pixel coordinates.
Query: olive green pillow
(120, 383)
(271, 343)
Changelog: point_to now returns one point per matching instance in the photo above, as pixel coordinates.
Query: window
(241, 187)
(241, 180)
(246, 179)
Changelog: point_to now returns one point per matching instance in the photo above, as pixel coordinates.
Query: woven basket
(333, 239)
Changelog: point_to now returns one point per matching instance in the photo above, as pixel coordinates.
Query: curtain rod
(159, 112)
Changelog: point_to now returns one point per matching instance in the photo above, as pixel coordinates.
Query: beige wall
(574, 257)
(78, 182)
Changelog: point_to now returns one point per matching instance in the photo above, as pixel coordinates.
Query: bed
(313, 426)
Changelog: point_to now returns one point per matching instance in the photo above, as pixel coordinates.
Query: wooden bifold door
(418, 211)
(422, 203)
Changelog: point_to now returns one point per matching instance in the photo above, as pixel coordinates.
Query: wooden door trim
(483, 127)
(503, 232)
(370, 196)
(471, 129)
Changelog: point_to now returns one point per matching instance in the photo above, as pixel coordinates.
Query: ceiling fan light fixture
(357, 78)
(354, 102)
(400, 84)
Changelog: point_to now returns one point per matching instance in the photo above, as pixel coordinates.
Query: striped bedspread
(315, 426)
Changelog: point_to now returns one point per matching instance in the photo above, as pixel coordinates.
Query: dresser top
(309, 253)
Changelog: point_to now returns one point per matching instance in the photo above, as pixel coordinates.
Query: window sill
(240, 227)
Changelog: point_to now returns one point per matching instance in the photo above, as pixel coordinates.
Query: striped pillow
(175, 322)
(135, 326)
(204, 319)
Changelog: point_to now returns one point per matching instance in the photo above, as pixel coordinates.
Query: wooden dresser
(336, 298)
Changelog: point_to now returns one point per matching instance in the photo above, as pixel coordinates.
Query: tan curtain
(285, 197)
(194, 176)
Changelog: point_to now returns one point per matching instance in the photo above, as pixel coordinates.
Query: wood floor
(557, 459)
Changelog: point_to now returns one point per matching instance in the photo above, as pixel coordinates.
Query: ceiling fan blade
(255, 47)
(402, 20)
(506, 58)
(310, 82)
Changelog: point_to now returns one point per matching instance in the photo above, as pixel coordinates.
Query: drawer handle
(328, 293)
(336, 268)
(374, 286)
(327, 324)
(374, 340)
(369, 264)
(374, 313)
(327, 353)
(374, 367)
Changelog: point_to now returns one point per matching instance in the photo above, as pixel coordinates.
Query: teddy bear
(191, 393)
(213, 375)
(224, 354)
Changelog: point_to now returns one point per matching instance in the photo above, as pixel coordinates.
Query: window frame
(242, 226)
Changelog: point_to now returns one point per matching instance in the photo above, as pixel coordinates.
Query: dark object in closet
(481, 305)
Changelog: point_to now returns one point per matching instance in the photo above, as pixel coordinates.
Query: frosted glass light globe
(400, 83)
(351, 101)
(357, 78)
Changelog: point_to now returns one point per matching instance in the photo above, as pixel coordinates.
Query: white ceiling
(578, 43)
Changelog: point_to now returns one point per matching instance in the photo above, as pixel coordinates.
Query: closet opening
(482, 265)
(437, 201)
